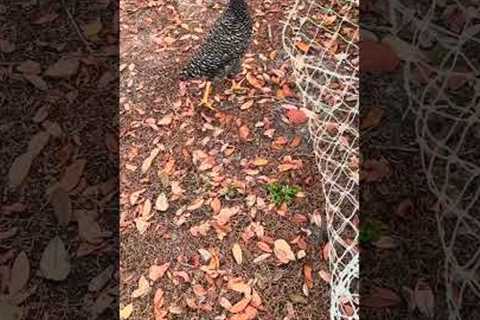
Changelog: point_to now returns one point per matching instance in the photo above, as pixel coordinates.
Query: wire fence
(444, 94)
(321, 41)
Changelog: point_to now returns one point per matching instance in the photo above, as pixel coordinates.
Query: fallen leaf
(147, 210)
(196, 204)
(380, 298)
(303, 46)
(241, 305)
(63, 68)
(405, 208)
(37, 143)
(62, 205)
(386, 242)
(72, 174)
(325, 276)
(282, 251)
(377, 57)
(247, 105)
(225, 214)
(261, 257)
(91, 29)
(238, 285)
(424, 299)
(166, 120)
(254, 82)
(9, 233)
(55, 261)
(216, 205)
(126, 312)
(88, 228)
(157, 271)
(199, 290)
(142, 289)
(20, 274)
(296, 116)
(10, 311)
(101, 280)
(307, 274)
(405, 50)
(158, 301)
(19, 169)
(148, 161)
(161, 203)
(37, 81)
(224, 303)
(375, 170)
(373, 118)
(244, 133)
(265, 247)
(237, 253)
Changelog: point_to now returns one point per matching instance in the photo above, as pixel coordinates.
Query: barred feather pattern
(224, 46)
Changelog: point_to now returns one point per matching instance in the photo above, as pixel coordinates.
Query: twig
(77, 28)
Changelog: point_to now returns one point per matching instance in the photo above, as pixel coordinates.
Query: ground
(193, 181)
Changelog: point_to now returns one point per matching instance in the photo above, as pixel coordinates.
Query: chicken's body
(224, 47)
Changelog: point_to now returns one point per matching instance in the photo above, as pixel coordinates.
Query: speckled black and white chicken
(223, 49)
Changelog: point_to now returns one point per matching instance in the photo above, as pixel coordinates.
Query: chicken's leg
(206, 94)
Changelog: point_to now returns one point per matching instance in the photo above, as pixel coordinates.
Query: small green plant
(370, 232)
(280, 193)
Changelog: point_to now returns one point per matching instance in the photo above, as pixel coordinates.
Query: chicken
(223, 49)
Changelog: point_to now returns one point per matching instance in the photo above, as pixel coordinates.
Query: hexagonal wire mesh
(320, 40)
(444, 95)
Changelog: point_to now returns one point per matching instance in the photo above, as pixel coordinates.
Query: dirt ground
(183, 165)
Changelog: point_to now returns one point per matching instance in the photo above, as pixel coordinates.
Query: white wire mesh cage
(444, 94)
(321, 41)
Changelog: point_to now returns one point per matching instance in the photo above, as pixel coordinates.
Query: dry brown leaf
(62, 205)
(101, 280)
(307, 274)
(157, 271)
(196, 204)
(223, 217)
(261, 257)
(19, 169)
(161, 204)
(244, 133)
(386, 242)
(55, 261)
(405, 208)
(424, 299)
(166, 120)
(91, 30)
(375, 170)
(142, 289)
(147, 163)
(216, 205)
(241, 305)
(199, 290)
(303, 46)
(237, 253)
(325, 276)
(296, 116)
(30, 67)
(282, 251)
(224, 303)
(147, 210)
(381, 298)
(265, 247)
(37, 81)
(72, 174)
(373, 118)
(63, 68)
(88, 228)
(254, 81)
(247, 105)
(38, 142)
(237, 285)
(377, 57)
(158, 301)
(126, 311)
(183, 275)
(20, 274)
(8, 234)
